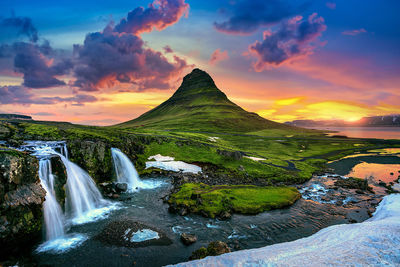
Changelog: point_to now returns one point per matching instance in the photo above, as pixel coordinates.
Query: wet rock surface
(21, 198)
(188, 239)
(121, 233)
(355, 195)
(215, 248)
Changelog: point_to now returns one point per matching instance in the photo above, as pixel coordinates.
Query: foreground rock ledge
(21, 198)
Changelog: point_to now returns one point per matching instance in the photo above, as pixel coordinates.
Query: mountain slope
(199, 105)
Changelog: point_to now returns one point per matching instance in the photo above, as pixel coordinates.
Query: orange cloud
(218, 56)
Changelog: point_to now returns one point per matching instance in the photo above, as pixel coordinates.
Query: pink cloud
(355, 32)
(159, 15)
(218, 56)
(293, 39)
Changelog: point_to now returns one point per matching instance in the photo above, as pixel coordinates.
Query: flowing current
(126, 172)
(53, 216)
(84, 202)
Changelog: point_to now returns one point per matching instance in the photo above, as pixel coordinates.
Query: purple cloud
(355, 32)
(118, 55)
(37, 65)
(23, 95)
(293, 38)
(19, 26)
(159, 15)
(248, 16)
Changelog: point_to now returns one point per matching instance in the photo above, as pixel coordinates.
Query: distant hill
(374, 121)
(199, 105)
(15, 117)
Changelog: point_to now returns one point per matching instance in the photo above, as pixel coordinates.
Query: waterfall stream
(84, 202)
(125, 171)
(83, 197)
(53, 216)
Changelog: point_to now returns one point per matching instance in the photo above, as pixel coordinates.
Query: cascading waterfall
(82, 193)
(84, 202)
(53, 216)
(125, 171)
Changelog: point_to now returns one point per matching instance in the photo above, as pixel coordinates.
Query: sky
(104, 62)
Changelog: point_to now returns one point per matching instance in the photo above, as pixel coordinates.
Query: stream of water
(86, 222)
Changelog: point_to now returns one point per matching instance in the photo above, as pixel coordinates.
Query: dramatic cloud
(218, 56)
(248, 16)
(23, 95)
(355, 32)
(38, 66)
(19, 26)
(38, 63)
(159, 15)
(331, 5)
(294, 38)
(118, 55)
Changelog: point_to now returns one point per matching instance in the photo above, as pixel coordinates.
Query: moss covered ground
(245, 199)
(288, 156)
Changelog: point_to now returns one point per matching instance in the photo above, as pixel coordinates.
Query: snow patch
(213, 138)
(254, 158)
(373, 242)
(169, 164)
(159, 157)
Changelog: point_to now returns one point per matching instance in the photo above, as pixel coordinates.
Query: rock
(214, 249)
(358, 191)
(121, 187)
(236, 155)
(183, 211)
(115, 196)
(225, 215)
(199, 254)
(188, 239)
(21, 199)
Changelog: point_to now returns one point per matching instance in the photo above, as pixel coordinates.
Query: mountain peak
(199, 105)
(197, 79)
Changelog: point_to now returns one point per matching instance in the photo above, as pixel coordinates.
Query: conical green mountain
(198, 105)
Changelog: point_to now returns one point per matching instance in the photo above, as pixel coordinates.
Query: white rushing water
(53, 216)
(82, 193)
(126, 172)
(84, 203)
(375, 242)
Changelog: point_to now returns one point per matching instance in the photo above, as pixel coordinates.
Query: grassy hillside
(199, 105)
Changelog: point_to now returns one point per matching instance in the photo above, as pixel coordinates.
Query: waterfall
(82, 193)
(53, 216)
(125, 171)
(84, 203)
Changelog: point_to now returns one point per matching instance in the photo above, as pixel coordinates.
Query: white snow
(159, 157)
(375, 242)
(169, 164)
(254, 158)
(213, 138)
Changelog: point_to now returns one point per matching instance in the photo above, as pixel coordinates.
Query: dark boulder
(188, 239)
(215, 248)
(236, 155)
(21, 199)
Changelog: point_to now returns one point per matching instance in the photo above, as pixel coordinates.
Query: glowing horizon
(120, 60)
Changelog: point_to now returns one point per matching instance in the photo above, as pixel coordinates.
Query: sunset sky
(103, 62)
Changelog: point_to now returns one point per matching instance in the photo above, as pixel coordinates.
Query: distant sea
(364, 132)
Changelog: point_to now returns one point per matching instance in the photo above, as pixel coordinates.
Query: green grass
(245, 199)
